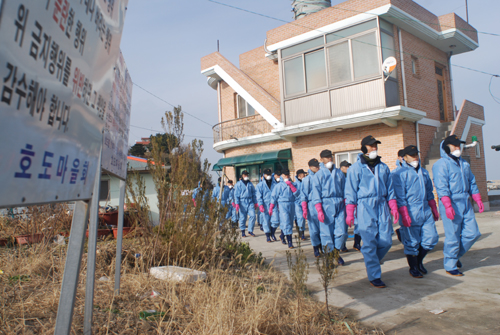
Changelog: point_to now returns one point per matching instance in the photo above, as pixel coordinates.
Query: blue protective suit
(328, 189)
(371, 191)
(216, 192)
(414, 190)
(299, 214)
(245, 197)
(232, 210)
(264, 199)
(455, 180)
(226, 201)
(312, 216)
(283, 196)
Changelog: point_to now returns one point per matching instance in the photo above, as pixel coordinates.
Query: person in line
(369, 189)
(328, 200)
(275, 218)
(300, 221)
(246, 202)
(399, 163)
(264, 190)
(216, 191)
(344, 167)
(308, 209)
(417, 209)
(284, 195)
(455, 183)
(232, 208)
(226, 200)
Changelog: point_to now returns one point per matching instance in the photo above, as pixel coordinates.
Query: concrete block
(177, 274)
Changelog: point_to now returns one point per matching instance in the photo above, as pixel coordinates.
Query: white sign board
(56, 57)
(116, 130)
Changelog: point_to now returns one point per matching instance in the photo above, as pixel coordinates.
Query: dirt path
(471, 303)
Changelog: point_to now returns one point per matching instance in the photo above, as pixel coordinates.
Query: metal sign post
(72, 268)
(91, 253)
(119, 238)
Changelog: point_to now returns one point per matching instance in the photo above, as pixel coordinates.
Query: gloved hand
(405, 216)
(194, 202)
(256, 205)
(435, 213)
(479, 202)
(293, 188)
(261, 208)
(450, 212)
(304, 209)
(271, 207)
(321, 215)
(237, 207)
(233, 204)
(393, 205)
(350, 208)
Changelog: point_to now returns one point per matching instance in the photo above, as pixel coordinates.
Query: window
(104, 190)
(478, 150)
(244, 108)
(350, 156)
(349, 55)
(414, 65)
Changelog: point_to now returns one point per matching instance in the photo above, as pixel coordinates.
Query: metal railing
(240, 128)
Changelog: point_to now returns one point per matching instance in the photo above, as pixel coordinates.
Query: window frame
(376, 30)
(352, 156)
(246, 107)
(108, 196)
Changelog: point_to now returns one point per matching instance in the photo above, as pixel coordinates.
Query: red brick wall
(468, 109)
(228, 102)
(426, 136)
(478, 165)
(262, 70)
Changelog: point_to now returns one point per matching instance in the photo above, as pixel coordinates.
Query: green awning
(253, 158)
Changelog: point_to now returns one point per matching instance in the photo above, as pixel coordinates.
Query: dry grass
(236, 298)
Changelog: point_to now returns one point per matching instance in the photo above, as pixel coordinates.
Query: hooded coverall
(299, 216)
(414, 190)
(328, 190)
(246, 198)
(454, 179)
(312, 216)
(285, 198)
(370, 192)
(264, 199)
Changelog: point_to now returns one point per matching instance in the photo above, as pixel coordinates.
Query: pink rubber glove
(479, 202)
(256, 205)
(405, 216)
(393, 205)
(293, 188)
(261, 208)
(435, 213)
(321, 215)
(304, 209)
(271, 207)
(233, 204)
(237, 207)
(450, 212)
(350, 208)
(194, 202)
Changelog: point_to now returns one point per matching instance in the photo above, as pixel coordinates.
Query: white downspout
(451, 85)
(402, 67)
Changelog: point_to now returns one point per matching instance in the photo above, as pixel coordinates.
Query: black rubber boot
(283, 238)
(357, 242)
(421, 255)
(317, 251)
(268, 237)
(413, 263)
(303, 235)
(398, 233)
(340, 260)
(273, 237)
(290, 241)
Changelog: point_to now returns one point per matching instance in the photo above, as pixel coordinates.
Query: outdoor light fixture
(453, 46)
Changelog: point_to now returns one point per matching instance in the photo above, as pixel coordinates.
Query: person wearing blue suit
(455, 183)
(308, 208)
(370, 191)
(246, 202)
(226, 200)
(328, 200)
(344, 167)
(232, 204)
(264, 190)
(300, 220)
(216, 191)
(418, 210)
(399, 162)
(284, 195)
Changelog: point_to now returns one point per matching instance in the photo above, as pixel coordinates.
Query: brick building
(318, 83)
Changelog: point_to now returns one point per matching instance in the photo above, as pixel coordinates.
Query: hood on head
(398, 163)
(310, 172)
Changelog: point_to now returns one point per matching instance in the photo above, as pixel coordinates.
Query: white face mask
(414, 164)
(329, 165)
(285, 179)
(373, 154)
(230, 186)
(268, 177)
(245, 178)
(457, 153)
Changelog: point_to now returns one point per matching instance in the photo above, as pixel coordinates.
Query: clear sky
(164, 40)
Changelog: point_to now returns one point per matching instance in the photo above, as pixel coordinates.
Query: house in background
(317, 84)
(109, 193)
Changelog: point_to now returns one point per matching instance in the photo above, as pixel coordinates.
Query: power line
(497, 100)
(341, 36)
(162, 131)
(168, 103)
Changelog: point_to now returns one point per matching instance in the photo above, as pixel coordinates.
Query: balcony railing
(240, 128)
